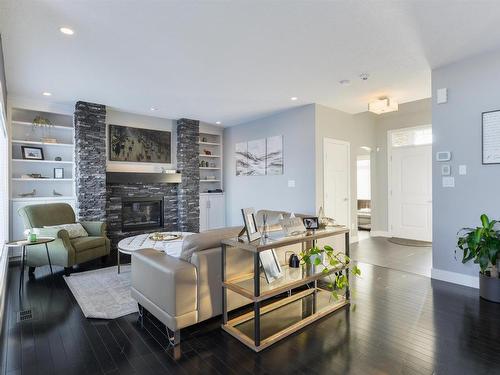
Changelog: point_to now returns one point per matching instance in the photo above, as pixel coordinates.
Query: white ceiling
(235, 61)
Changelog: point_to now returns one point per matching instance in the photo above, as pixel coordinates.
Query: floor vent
(24, 315)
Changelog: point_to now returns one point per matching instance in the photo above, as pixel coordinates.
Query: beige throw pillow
(74, 230)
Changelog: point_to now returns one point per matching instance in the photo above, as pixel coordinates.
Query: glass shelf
(292, 278)
(282, 318)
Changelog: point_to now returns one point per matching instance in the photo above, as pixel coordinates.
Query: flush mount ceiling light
(45, 93)
(345, 82)
(66, 30)
(383, 105)
(366, 148)
(293, 98)
(217, 122)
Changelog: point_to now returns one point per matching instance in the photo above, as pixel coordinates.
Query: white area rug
(103, 293)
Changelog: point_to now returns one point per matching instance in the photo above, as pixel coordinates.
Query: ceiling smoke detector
(364, 76)
(383, 105)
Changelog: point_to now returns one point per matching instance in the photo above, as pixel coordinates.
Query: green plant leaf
(484, 220)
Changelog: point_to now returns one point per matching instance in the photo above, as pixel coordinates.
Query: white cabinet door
(16, 223)
(216, 211)
(204, 202)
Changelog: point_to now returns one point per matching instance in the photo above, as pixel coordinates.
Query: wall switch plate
(442, 96)
(443, 156)
(445, 170)
(291, 183)
(462, 170)
(449, 182)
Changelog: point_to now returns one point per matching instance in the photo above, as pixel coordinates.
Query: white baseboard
(379, 233)
(455, 278)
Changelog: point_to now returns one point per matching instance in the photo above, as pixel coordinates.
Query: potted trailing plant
(482, 246)
(328, 259)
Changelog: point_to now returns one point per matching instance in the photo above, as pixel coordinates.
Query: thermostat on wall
(443, 156)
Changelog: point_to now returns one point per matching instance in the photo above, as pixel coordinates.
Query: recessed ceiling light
(45, 93)
(218, 122)
(66, 30)
(293, 98)
(153, 109)
(345, 82)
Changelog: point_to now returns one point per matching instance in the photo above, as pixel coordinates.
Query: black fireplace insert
(142, 213)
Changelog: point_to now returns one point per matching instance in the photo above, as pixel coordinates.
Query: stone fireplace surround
(99, 199)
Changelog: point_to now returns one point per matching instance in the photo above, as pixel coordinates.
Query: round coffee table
(142, 241)
(26, 243)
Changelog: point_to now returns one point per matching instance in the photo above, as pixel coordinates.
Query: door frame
(348, 144)
(390, 218)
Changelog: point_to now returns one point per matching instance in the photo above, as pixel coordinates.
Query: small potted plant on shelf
(482, 246)
(328, 260)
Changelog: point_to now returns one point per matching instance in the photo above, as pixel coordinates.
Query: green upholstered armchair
(63, 251)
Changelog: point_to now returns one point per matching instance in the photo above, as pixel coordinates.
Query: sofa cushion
(206, 240)
(86, 243)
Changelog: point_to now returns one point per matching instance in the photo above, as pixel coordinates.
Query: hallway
(380, 252)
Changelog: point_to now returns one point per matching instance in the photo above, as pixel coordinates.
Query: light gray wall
(272, 192)
(115, 117)
(473, 87)
(3, 82)
(358, 130)
(410, 114)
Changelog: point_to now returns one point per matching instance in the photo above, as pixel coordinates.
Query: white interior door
(336, 165)
(410, 192)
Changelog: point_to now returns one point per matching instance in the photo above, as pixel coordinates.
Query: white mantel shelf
(42, 161)
(41, 179)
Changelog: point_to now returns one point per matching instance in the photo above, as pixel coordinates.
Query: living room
(242, 187)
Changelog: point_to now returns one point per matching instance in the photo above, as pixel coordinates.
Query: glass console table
(273, 320)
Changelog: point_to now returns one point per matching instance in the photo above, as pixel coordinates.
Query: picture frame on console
(250, 225)
(270, 265)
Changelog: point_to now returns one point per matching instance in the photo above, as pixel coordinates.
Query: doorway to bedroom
(364, 206)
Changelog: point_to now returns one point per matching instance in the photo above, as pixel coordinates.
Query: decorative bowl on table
(164, 236)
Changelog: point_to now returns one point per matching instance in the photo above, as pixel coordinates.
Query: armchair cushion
(74, 230)
(95, 228)
(86, 243)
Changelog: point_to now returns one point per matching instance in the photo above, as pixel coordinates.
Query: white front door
(336, 187)
(410, 192)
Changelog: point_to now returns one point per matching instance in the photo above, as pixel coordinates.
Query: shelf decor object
(32, 153)
(296, 294)
(490, 128)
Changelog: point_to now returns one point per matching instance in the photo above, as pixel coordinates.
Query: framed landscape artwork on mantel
(260, 157)
(139, 145)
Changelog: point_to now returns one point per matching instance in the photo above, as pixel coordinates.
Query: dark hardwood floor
(400, 323)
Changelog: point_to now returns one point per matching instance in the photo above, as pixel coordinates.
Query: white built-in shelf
(41, 179)
(42, 161)
(24, 123)
(209, 180)
(51, 198)
(209, 168)
(42, 143)
(209, 143)
(209, 156)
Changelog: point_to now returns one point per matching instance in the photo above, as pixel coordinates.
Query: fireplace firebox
(142, 213)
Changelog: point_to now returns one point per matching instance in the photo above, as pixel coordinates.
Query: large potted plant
(482, 246)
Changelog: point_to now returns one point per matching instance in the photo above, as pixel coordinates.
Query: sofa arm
(95, 228)
(168, 282)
